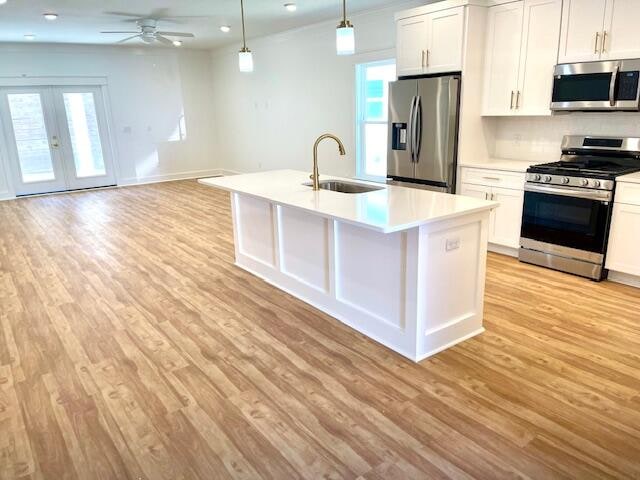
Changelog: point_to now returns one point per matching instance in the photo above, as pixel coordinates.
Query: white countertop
(631, 178)
(391, 209)
(504, 164)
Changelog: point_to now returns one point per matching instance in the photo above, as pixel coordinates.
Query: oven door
(599, 86)
(573, 218)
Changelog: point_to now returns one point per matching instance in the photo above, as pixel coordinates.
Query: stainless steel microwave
(596, 86)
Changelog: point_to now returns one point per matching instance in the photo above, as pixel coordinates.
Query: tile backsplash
(539, 138)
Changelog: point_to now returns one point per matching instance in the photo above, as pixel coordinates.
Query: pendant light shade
(345, 34)
(245, 60)
(245, 57)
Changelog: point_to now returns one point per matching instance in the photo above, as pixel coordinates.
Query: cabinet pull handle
(604, 42)
(595, 49)
(486, 196)
(518, 100)
(423, 55)
(492, 178)
(511, 102)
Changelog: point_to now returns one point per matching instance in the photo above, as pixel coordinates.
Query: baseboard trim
(502, 250)
(6, 195)
(624, 278)
(170, 177)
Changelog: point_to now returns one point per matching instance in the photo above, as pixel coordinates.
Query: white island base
(418, 290)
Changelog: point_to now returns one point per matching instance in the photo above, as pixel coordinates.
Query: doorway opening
(57, 138)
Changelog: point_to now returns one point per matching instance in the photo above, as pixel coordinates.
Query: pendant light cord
(344, 11)
(244, 38)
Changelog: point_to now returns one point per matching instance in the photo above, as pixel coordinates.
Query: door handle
(595, 48)
(411, 128)
(418, 128)
(612, 85)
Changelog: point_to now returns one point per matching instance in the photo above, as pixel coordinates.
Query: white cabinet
(623, 254)
(411, 45)
(599, 29)
(504, 32)
(506, 220)
(521, 51)
(430, 43)
(620, 35)
(581, 33)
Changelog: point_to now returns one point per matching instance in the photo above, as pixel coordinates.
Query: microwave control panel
(628, 85)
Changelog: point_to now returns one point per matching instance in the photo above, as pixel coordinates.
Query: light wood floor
(131, 347)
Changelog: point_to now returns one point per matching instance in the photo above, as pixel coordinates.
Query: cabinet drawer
(493, 178)
(628, 193)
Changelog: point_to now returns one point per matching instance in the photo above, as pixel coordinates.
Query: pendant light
(345, 36)
(245, 57)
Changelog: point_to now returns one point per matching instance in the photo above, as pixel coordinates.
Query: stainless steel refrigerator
(423, 132)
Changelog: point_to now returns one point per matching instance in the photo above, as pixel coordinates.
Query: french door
(57, 138)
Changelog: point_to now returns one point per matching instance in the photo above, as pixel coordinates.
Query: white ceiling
(80, 21)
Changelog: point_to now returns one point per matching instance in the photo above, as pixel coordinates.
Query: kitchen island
(404, 266)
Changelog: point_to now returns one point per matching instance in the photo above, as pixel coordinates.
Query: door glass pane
(85, 135)
(32, 140)
(375, 149)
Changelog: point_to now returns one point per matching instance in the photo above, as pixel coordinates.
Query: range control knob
(537, 177)
(584, 182)
(565, 180)
(596, 183)
(547, 178)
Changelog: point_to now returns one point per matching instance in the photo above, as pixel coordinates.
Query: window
(372, 111)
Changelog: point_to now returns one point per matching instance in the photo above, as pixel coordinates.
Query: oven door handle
(597, 195)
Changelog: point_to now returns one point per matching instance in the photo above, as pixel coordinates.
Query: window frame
(361, 121)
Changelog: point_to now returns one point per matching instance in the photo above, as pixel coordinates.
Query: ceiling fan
(148, 33)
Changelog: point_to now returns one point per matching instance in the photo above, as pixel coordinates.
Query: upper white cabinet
(620, 35)
(599, 29)
(430, 43)
(521, 51)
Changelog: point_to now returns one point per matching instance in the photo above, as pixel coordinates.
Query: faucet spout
(315, 175)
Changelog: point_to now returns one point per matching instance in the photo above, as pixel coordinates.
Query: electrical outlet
(452, 244)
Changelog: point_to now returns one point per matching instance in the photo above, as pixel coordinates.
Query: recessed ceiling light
(292, 7)
(225, 28)
(50, 16)
(177, 43)
(29, 36)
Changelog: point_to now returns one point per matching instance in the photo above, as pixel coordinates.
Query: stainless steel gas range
(568, 204)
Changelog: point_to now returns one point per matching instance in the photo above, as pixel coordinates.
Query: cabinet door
(581, 32)
(538, 55)
(504, 31)
(507, 220)
(620, 36)
(475, 191)
(623, 254)
(411, 45)
(445, 30)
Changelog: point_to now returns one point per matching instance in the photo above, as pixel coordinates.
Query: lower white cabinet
(623, 254)
(506, 220)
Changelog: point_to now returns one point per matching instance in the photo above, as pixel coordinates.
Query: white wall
(300, 89)
(149, 89)
(539, 138)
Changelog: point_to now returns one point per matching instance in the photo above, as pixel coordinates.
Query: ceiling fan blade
(164, 40)
(127, 39)
(127, 31)
(177, 34)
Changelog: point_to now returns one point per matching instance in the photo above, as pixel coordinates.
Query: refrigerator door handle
(418, 129)
(411, 128)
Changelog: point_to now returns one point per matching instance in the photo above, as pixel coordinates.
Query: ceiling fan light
(177, 43)
(225, 28)
(291, 7)
(50, 16)
(345, 39)
(245, 60)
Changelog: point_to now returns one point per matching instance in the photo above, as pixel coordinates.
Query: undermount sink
(344, 187)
